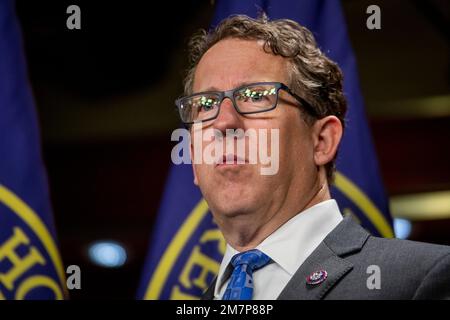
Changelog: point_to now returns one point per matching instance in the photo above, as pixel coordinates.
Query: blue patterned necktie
(240, 286)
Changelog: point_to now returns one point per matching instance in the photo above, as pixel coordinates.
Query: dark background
(105, 101)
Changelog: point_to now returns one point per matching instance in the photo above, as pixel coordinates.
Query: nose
(228, 117)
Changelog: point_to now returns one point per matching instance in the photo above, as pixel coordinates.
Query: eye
(206, 103)
(254, 95)
(257, 96)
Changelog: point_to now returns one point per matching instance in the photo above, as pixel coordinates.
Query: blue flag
(30, 264)
(186, 247)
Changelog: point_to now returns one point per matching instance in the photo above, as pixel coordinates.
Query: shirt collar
(294, 241)
(225, 268)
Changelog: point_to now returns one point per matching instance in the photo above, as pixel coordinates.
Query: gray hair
(312, 75)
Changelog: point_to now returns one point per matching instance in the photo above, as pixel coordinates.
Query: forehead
(232, 62)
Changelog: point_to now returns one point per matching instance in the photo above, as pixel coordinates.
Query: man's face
(234, 190)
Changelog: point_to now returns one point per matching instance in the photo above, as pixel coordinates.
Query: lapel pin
(316, 277)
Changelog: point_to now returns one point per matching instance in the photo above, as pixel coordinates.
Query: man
(285, 236)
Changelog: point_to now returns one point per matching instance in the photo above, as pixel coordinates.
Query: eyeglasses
(247, 99)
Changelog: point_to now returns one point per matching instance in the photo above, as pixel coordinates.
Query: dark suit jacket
(408, 269)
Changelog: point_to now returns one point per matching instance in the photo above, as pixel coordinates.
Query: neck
(246, 231)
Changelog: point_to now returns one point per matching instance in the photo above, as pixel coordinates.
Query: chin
(233, 207)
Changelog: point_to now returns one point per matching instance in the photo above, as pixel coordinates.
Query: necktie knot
(240, 286)
(254, 259)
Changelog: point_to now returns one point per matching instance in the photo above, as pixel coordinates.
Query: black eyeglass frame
(230, 94)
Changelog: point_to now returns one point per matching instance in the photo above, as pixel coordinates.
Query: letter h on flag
(186, 247)
(30, 264)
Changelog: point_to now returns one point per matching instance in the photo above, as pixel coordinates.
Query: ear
(191, 151)
(327, 135)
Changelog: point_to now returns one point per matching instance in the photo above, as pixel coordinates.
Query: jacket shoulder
(404, 250)
(409, 269)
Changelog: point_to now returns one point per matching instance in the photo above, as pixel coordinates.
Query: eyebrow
(239, 85)
(210, 89)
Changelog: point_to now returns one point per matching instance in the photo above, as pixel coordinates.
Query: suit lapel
(348, 237)
(209, 293)
(321, 259)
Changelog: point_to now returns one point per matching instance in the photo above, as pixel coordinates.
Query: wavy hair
(312, 75)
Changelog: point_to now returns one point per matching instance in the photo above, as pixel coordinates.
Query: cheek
(201, 173)
(296, 146)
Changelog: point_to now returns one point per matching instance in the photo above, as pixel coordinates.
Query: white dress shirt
(288, 246)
